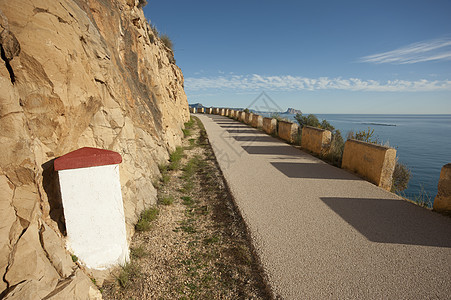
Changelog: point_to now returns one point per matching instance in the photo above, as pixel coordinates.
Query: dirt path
(197, 246)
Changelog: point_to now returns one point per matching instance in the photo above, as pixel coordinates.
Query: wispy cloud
(434, 50)
(255, 82)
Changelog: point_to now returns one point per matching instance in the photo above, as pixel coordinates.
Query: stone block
(373, 162)
(315, 140)
(442, 201)
(248, 118)
(269, 125)
(209, 110)
(288, 131)
(242, 117)
(257, 121)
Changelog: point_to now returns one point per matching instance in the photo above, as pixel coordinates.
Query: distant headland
(289, 111)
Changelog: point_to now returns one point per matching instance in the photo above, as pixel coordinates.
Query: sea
(423, 143)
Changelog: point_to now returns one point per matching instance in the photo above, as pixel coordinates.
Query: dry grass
(198, 246)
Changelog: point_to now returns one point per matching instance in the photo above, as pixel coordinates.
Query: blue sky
(317, 56)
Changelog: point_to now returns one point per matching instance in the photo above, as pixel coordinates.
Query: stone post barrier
(216, 111)
(269, 125)
(192, 110)
(243, 116)
(373, 162)
(221, 112)
(248, 118)
(226, 112)
(442, 201)
(315, 140)
(209, 110)
(201, 110)
(257, 121)
(93, 208)
(232, 113)
(288, 131)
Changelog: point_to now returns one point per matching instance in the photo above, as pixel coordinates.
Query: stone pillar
(315, 140)
(257, 121)
(288, 131)
(373, 162)
(215, 111)
(93, 207)
(192, 110)
(269, 125)
(201, 110)
(248, 118)
(442, 201)
(243, 116)
(209, 110)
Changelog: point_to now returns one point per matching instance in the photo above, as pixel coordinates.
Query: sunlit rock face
(76, 74)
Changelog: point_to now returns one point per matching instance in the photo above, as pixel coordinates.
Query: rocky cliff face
(76, 73)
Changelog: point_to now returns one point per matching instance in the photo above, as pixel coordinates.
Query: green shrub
(337, 145)
(142, 3)
(401, 177)
(166, 41)
(364, 136)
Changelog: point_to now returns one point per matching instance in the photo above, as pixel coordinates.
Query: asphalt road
(321, 232)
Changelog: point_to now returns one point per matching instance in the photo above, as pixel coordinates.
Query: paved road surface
(322, 232)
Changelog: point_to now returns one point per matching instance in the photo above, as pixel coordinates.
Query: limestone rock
(78, 287)
(55, 249)
(74, 74)
(29, 263)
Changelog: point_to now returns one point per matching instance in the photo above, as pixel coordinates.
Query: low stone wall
(248, 118)
(373, 162)
(442, 201)
(257, 121)
(315, 140)
(269, 125)
(287, 131)
(243, 117)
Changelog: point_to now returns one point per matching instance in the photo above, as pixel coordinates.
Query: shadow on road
(393, 221)
(254, 131)
(273, 150)
(255, 138)
(312, 170)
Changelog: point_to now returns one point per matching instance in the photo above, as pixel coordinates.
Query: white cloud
(255, 82)
(434, 50)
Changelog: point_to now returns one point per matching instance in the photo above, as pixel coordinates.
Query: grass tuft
(175, 159)
(128, 272)
(138, 252)
(147, 216)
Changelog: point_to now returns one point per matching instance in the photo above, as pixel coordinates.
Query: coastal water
(423, 143)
